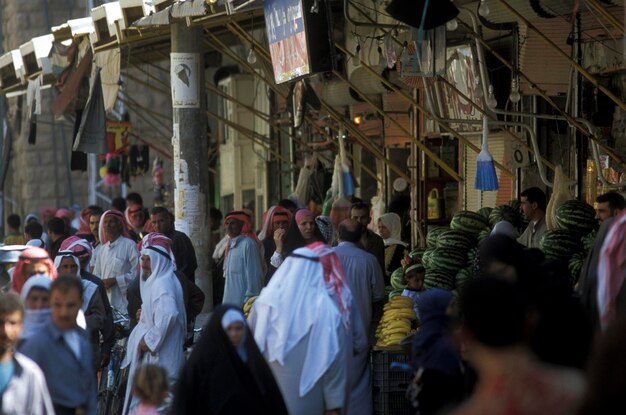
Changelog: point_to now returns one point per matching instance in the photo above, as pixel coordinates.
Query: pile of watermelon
(451, 252)
(571, 241)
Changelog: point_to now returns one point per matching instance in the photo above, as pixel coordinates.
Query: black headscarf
(215, 380)
(294, 239)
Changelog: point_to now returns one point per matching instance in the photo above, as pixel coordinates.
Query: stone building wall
(38, 175)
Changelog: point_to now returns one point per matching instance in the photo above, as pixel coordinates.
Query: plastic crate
(389, 385)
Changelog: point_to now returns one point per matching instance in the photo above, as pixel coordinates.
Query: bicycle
(113, 379)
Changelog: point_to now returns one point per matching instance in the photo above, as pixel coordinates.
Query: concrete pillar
(189, 142)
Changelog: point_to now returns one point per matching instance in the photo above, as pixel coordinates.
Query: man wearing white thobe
(118, 259)
(301, 324)
(365, 279)
(160, 333)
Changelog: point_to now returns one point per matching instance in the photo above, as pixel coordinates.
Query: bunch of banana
(396, 321)
(399, 303)
(247, 306)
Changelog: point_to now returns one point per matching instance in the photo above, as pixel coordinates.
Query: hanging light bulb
(478, 88)
(382, 61)
(492, 102)
(315, 8)
(483, 9)
(514, 96)
(251, 56)
(404, 59)
(452, 25)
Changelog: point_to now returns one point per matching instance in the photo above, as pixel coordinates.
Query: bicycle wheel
(117, 401)
(103, 393)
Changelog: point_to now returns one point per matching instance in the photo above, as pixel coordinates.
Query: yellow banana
(397, 331)
(406, 301)
(397, 306)
(409, 314)
(388, 322)
(397, 323)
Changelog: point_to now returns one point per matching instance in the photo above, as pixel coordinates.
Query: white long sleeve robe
(162, 326)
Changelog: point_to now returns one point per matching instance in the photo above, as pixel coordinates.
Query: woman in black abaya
(226, 373)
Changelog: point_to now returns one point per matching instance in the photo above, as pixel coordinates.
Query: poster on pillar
(184, 74)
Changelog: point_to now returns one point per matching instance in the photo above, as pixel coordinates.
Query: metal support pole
(92, 163)
(189, 145)
(581, 141)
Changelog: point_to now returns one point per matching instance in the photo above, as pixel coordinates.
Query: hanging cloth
(91, 136)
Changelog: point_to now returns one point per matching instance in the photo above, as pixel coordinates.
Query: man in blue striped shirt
(63, 352)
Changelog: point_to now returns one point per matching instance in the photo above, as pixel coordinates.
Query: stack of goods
(396, 323)
(573, 236)
(511, 213)
(451, 253)
(247, 306)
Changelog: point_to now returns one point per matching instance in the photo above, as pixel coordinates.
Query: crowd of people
(67, 285)
(518, 338)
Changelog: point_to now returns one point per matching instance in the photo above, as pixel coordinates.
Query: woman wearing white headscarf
(36, 298)
(159, 336)
(390, 228)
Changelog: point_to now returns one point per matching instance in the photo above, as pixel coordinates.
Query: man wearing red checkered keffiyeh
(159, 336)
(243, 269)
(32, 261)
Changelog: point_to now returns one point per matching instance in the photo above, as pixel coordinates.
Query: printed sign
(184, 73)
(287, 39)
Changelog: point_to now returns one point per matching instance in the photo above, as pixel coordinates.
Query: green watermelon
(575, 266)
(417, 252)
(576, 216)
(484, 234)
(485, 211)
(397, 279)
(433, 235)
(436, 279)
(464, 275)
(453, 239)
(426, 258)
(515, 204)
(469, 222)
(507, 213)
(560, 244)
(472, 254)
(588, 240)
(448, 261)
(395, 293)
